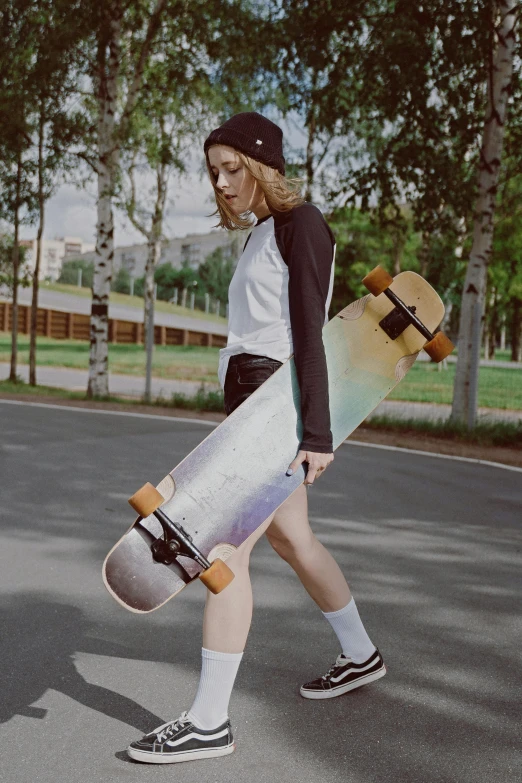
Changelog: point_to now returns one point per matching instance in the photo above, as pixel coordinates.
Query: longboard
(236, 477)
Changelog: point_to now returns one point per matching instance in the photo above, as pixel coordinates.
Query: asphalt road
(431, 548)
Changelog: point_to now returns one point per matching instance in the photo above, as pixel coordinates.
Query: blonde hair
(281, 193)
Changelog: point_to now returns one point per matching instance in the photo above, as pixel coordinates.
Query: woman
(278, 303)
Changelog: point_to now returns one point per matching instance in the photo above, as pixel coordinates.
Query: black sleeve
(306, 244)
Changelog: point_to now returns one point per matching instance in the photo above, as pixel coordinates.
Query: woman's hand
(317, 463)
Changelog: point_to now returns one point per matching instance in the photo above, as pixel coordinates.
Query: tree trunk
(16, 271)
(516, 331)
(36, 274)
(110, 137)
(425, 253)
(397, 255)
(499, 79)
(489, 325)
(153, 254)
(107, 85)
(154, 245)
(309, 164)
(493, 326)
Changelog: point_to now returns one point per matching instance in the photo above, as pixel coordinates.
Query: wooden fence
(75, 326)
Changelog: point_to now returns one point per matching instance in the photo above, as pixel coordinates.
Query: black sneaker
(180, 740)
(344, 676)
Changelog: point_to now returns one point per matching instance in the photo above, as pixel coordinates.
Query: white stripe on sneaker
(349, 686)
(352, 670)
(203, 737)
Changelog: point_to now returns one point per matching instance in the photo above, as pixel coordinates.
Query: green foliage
(203, 400)
(213, 277)
(39, 61)
(363, 244)
(139, 286)
(216, 273)
(167, 278)
(418, 75)
(70, 269)
(392, 97)
(505, 272)
(121, 282)
(6, 266)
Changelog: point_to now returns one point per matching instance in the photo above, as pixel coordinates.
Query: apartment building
(192, 249)
(54, 253)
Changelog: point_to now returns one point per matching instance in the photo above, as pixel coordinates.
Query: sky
(72, 210)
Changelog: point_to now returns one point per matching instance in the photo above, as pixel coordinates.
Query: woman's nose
(222, 180)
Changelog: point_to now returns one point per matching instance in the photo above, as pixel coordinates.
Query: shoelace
(340, 661)
(168, 729)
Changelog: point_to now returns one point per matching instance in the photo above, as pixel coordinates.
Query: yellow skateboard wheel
(146, 500)
(439, 348)
(377, 281)
(217, 577)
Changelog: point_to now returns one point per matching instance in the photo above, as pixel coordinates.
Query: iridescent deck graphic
(236, 477)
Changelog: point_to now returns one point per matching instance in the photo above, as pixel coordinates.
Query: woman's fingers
(301, 456)
(317, 463)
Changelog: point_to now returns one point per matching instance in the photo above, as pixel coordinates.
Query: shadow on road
(37, 646)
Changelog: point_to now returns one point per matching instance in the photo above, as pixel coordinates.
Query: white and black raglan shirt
(279, 298)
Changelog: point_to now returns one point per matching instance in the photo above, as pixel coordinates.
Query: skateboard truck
(176, 541)
(377, 282)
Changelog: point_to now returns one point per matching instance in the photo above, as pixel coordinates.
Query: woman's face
(239, 187)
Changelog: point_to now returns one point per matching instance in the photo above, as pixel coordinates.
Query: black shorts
(245, 373)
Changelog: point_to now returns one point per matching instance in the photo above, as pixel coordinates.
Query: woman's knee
(291, 547)
(240, 559)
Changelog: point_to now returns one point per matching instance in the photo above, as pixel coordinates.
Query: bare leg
(228, 615)
(293, 540)
(291, 537)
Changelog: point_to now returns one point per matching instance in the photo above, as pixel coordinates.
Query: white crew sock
(218, 672)
(347, 624)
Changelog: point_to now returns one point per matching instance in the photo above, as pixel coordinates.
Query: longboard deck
(236, 477)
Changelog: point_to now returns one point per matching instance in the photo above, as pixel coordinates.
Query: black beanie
(254, 135)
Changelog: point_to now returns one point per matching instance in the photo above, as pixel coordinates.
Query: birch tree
(16, 166)
(128, 39)
(170, 119)
(137, 29)
(36, 62)
(499, 76)
(59, 31)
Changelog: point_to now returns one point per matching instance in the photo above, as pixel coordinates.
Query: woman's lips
(229, 198)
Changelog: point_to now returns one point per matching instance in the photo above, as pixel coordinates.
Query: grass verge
(203, 400)
(20, 387)
(136, 301)
(497, 433)
(425, 382)
(174, 362)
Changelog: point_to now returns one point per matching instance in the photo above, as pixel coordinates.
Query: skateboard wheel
(217, 577)
(377, 281)
(146, 500)
(440, 347)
